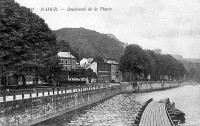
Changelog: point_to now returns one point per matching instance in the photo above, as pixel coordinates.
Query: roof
(65, 55)
(112, 62)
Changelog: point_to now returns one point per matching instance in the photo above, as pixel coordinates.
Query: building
(107, 71)
(67, 60)
(104, 72)
(86, 62)
(116, 74)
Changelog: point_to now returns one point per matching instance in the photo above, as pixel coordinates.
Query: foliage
(98, 59)
(90, 74)
(142, 63)
(65, 47)
(133, 60)
(26, 42)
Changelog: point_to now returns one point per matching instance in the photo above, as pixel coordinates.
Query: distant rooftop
(112, 62)
(65, 55)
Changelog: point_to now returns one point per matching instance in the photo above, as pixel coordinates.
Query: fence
(40, 92)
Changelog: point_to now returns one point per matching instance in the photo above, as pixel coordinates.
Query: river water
(122, 109)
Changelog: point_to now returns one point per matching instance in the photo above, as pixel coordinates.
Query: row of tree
(146, 64)
(28, 46)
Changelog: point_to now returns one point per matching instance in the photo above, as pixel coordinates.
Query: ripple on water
(117, 111)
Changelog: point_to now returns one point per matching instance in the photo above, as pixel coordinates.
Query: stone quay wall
(155, 86)
(48, 104)
(24, 108)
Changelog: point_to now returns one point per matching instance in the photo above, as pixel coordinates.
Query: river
(122, 109)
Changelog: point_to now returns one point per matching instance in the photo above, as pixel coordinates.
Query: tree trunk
(145, 76)
(132, 76)
(139, 77)
(4, 81)
(36, 80)
(23, 80)
(135, 77)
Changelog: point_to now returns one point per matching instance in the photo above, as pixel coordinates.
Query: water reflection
(122, 109)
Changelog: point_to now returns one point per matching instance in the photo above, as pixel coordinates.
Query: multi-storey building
(104, 72)
(107, 71)
(67, 60)
(116, 74)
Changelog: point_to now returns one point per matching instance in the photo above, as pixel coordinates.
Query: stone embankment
(154, 86)
(31, 107)
(48, 104)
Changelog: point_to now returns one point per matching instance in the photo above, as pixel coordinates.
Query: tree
(26, 42)
(90, 74)
(146, 62)
(132, 60)
(98, 59)
(157, 51)
(149, 63)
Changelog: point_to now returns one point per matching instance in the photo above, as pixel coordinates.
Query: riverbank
(39, 106)
(189, 83)
(67, 110)
(25, 112)
(122, 109)
(157, 86)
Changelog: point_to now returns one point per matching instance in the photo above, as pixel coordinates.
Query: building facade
(67, 60)
(116, 74)
(107, 71)
(103, 72)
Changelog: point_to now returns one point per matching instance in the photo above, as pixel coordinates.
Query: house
(116, 74)
(103, 72)
(67, 60)
(107, 71)
(86, 62)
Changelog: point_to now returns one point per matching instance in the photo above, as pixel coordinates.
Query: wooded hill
(91, 44)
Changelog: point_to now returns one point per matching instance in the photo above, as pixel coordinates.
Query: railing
(12, 95)
(43, 104)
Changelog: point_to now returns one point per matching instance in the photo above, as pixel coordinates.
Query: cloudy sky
(171, 25)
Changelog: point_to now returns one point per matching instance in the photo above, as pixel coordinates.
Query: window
(73, 66)
(62, 61)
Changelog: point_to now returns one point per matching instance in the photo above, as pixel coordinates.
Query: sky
(170, 25)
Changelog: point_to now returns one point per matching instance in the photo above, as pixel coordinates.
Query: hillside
(90, 43)
(115, 38)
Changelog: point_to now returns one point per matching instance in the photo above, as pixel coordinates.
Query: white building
(85, 63)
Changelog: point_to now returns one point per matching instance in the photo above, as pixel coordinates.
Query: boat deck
(155, 115)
